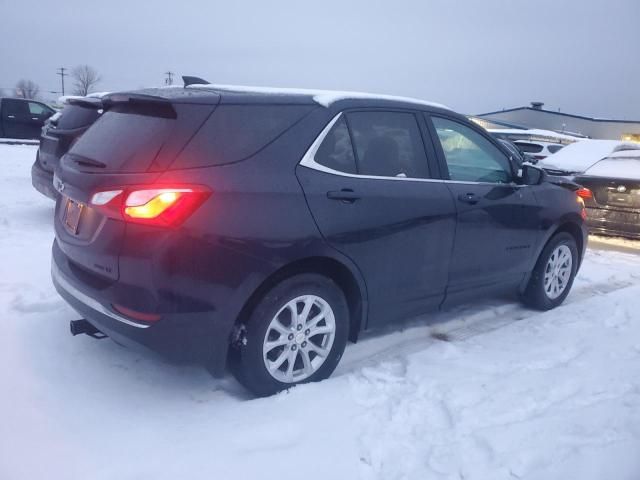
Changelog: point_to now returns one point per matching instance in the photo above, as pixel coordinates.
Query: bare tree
(27, 89)
(85, 78)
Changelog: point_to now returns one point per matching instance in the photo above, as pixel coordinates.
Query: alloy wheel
(299, 338)
(557, 271)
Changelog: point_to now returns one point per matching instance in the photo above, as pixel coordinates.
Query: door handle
(470, 198)
(35, 118)
(11, 116)
(346, 195)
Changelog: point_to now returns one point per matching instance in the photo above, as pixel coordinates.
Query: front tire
(553, 275)
(296, 334)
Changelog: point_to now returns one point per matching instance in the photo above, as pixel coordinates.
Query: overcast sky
(582, 56)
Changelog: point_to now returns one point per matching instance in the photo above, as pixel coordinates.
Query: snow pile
(510, 394)
(580, 155)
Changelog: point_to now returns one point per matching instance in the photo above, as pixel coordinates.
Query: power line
(62, 75)
(169, 79)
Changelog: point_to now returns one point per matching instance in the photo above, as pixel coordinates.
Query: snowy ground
(511, 394)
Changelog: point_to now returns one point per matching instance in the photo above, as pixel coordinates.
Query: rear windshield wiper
(87, 162)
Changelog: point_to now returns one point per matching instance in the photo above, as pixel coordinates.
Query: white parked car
(538, 150)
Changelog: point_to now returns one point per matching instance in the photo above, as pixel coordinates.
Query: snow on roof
(623, 168)
(63, 99)
(322, 97)
(534, 132)
(582, 154)
(98, 94)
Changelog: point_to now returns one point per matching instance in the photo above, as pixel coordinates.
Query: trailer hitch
(79, 327)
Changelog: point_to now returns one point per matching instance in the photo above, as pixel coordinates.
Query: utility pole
(62, 74)
(169, 79)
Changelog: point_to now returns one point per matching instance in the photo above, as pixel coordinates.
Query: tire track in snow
(445, 326)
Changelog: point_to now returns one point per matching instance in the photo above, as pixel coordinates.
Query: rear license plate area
(72, 214)
(620, 199)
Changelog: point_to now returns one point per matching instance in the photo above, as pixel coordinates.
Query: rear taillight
(584, 193)
(161, 205)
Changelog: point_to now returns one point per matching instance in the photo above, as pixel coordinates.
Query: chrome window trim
(308, 160)
(63, 283)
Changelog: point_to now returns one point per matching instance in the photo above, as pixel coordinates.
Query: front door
(367, 182)
(495, 235)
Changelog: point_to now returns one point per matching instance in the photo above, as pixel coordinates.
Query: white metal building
(535, 116)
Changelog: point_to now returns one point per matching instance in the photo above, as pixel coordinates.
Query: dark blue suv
(263, 229)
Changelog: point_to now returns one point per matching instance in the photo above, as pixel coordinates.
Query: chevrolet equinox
(264, 229)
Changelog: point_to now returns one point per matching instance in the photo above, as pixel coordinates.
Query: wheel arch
(348, 281)
(567, 225)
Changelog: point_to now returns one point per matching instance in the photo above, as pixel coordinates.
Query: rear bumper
(199, 337)
(614, 222)
(42, 181)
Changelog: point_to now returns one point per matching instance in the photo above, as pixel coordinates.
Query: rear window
(75, 116)
(529, 147)
(554, 148)
(237, 132)
(136, 140)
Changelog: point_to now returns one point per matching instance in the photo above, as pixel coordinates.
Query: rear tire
(279, 349)
(553, 275)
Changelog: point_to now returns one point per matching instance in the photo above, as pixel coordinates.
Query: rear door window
(388, 144)
(37, 109)
(237, 132)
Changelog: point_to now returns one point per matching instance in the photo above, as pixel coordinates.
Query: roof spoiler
(188, 80)
(90, 102)
(144, 104)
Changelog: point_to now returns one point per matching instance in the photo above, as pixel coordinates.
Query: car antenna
(188, 80)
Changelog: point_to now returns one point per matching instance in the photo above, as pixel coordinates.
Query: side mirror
(532, 175)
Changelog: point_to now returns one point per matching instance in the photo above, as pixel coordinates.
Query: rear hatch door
(132, 143)
(615, 184)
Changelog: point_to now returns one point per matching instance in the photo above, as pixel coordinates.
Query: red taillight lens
(584, 193)
(160, 206)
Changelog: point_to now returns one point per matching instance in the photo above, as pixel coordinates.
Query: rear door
(16, 119)
(496, 219)
(38, 113)
(368, 182)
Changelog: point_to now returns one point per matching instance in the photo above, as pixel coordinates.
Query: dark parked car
(23, 119)
(266, 229)
(58, 134)
(612, 194)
